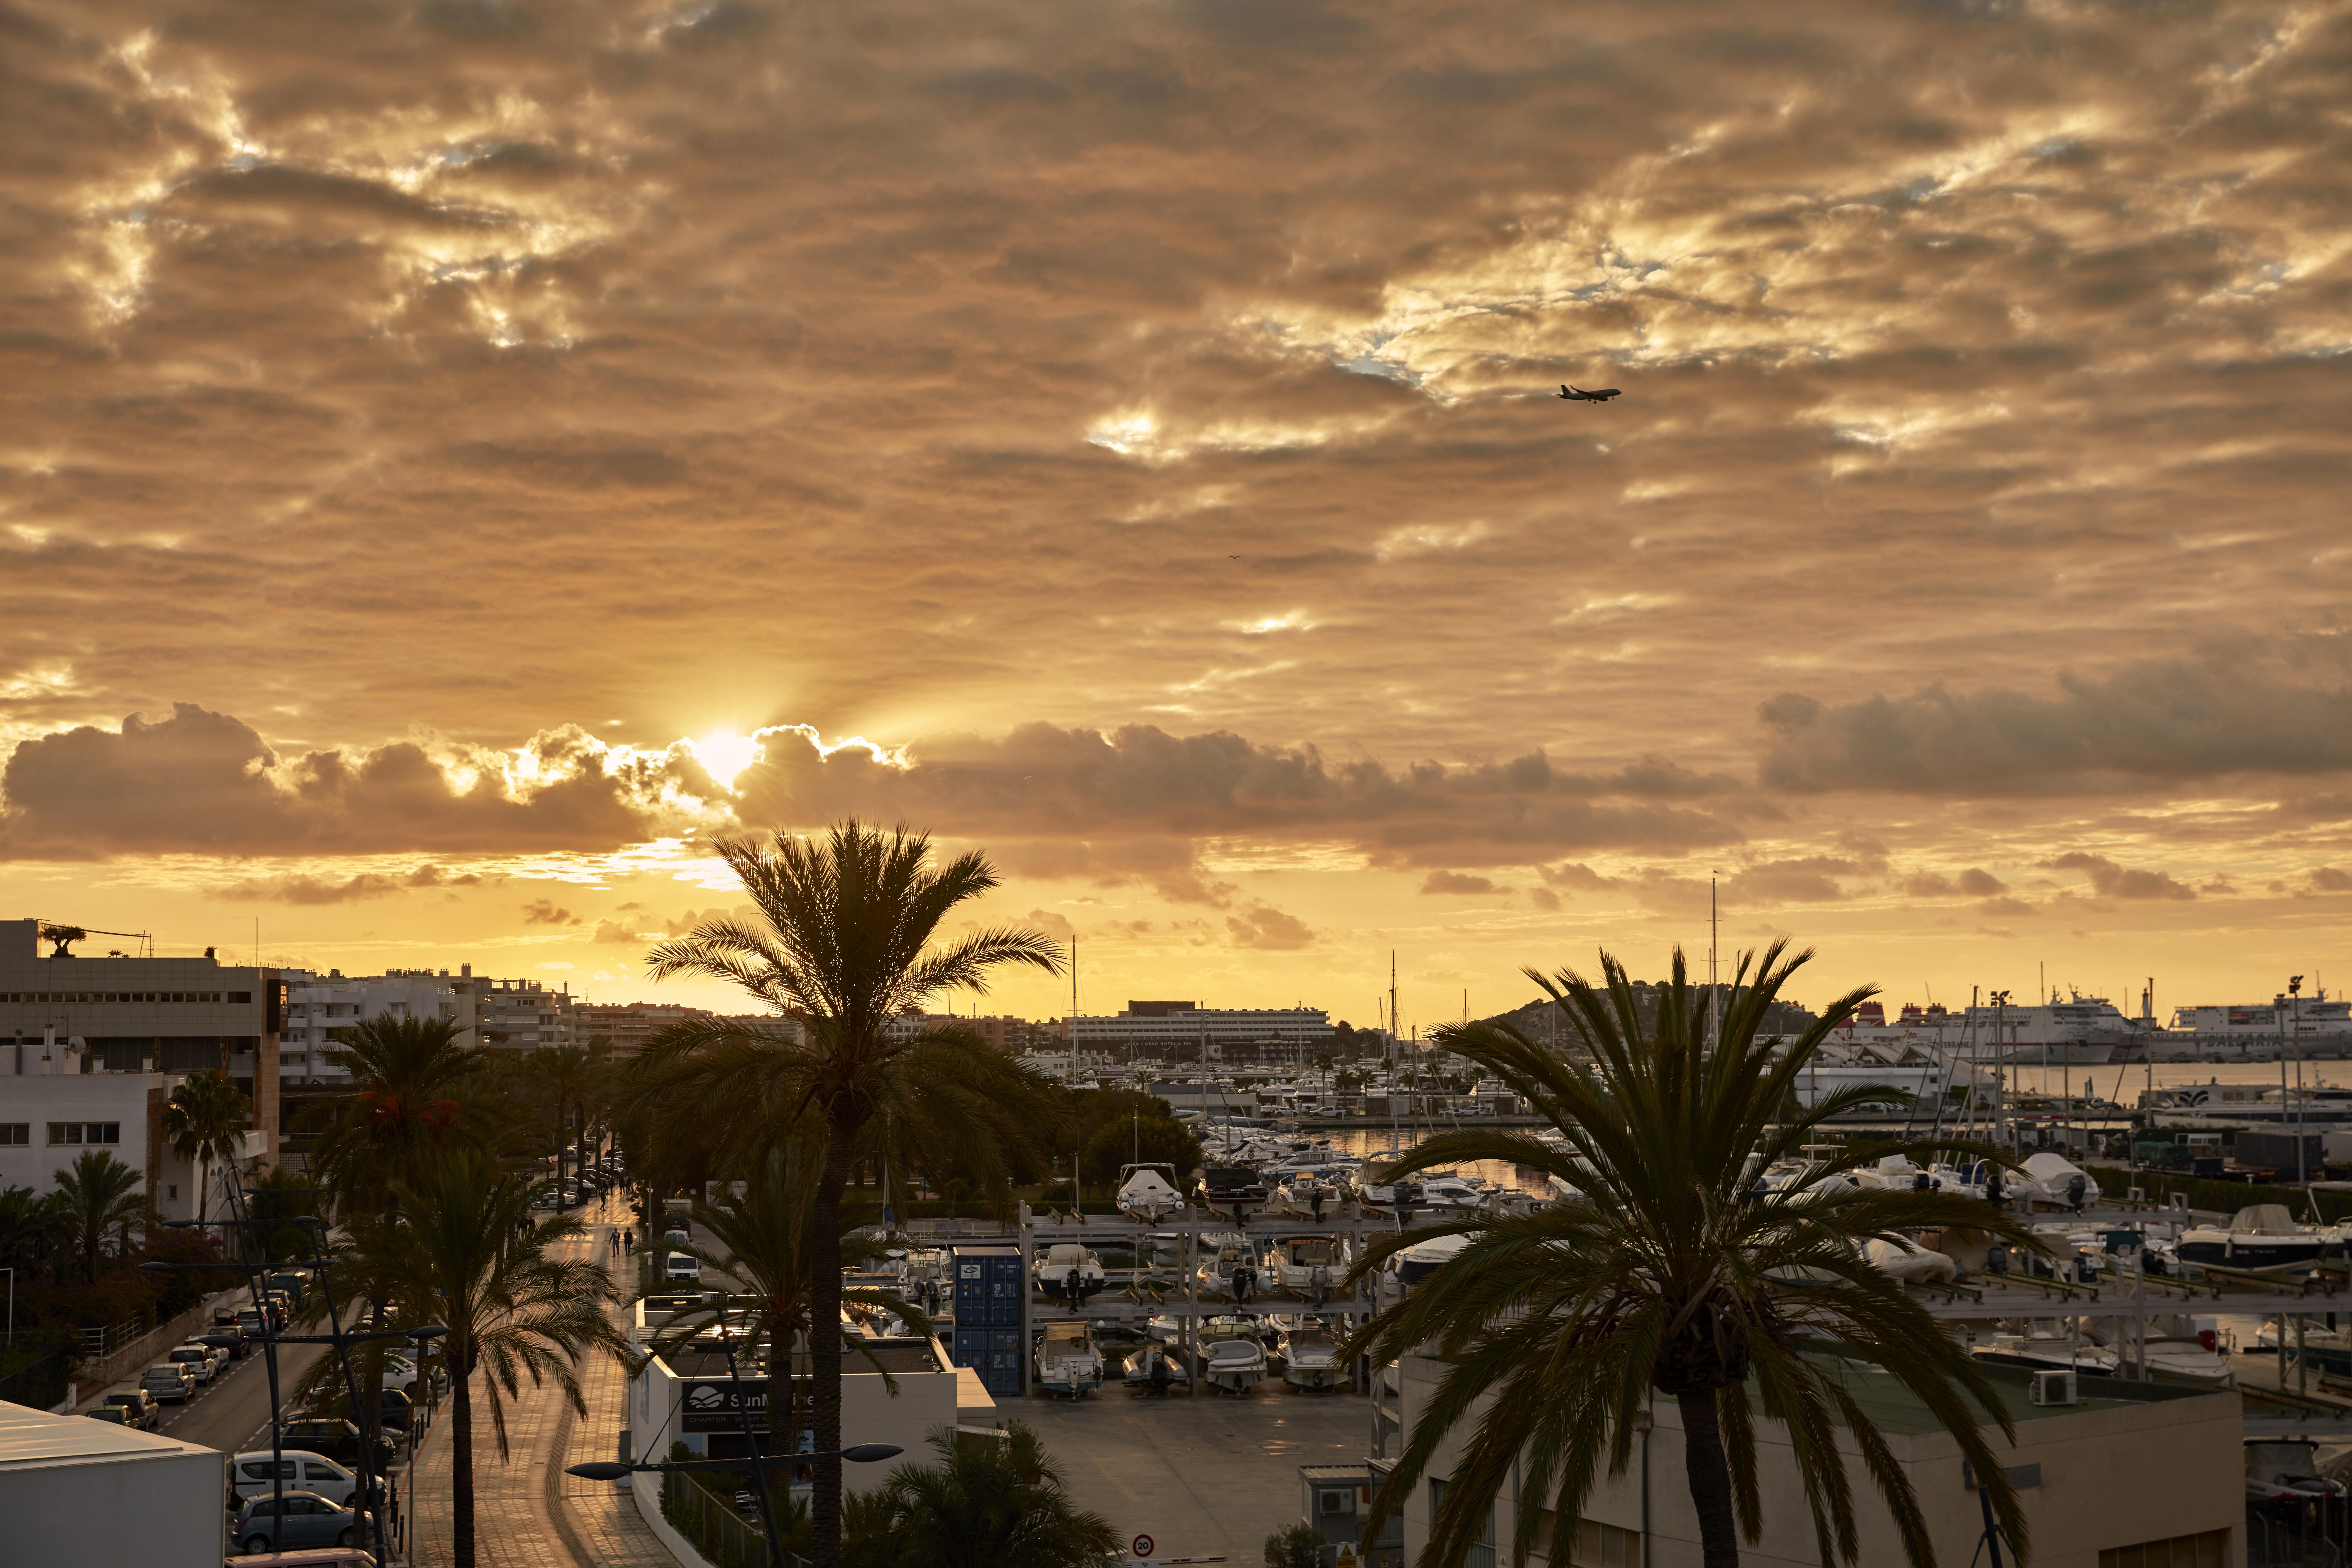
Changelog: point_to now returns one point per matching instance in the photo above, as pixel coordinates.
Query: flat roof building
(78, 1494)
(1186, 1031)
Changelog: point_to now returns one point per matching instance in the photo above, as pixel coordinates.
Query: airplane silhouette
(1573, 395)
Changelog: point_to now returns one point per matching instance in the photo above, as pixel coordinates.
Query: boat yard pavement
(1215, 1475)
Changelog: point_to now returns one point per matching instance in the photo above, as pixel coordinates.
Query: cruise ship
(2077, 1030)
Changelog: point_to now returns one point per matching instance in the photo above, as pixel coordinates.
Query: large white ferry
(2077, 1030)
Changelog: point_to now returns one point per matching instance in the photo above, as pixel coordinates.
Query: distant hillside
(1543, 1019)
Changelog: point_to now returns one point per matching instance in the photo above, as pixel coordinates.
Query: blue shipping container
(992, 1287)
(1006, 1348)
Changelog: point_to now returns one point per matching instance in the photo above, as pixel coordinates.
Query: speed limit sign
(1142, 1544)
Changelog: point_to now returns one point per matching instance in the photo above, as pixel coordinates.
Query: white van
(679, 1266)
(302, 1472)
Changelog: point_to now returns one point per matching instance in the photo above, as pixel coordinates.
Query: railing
(96, 1344)
(725, 1537)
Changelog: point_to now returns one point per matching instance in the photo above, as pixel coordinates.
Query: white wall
(155, 1501)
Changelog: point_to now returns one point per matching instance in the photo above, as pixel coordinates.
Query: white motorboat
(1310, 1357)
(2261, 1239)
(1149, 1192)
(1070, 1272)
(1312, 1265)
(1308, 1194)
(2287, 1470)
(1229, 1264)
(2057, 1180)
(1232, 1354)
(1068, 1361)
(1904, 1259)
(1416, 1263)
(1444, 1196)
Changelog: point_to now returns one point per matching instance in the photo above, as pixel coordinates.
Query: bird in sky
(1573, 395)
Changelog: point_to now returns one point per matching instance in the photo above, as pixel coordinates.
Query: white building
(322, 1010)
(78, 1494)
(137, 1015)
(1186, 1031)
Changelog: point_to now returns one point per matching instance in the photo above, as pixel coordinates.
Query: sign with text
(718, 1404)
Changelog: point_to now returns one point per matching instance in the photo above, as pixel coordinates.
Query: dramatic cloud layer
(1137, 422)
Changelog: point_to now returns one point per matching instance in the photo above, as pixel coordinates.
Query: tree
(463, 1252)
(1297, 1546)
(842, 942)
(100, 1194)
(414, 1088)
(984, 1505)
(204, 1118)
(1159, 1139)
(767, 1252)
(1668, 1275)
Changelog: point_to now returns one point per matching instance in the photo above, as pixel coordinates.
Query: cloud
(2113, 882)
(1055, 925)
(1543, 898)
(544, 912)
(312, 891)
(2328, 880)
(203, 782)
(1804, 880)
(610, 933)
(1263, 926)
(2005, 907)
(1456, 882)
(1980, 884)
(2152, 724)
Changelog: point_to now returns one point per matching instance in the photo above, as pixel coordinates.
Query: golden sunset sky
(458, 456)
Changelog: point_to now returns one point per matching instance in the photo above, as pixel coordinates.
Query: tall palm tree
(463, 1253)
(1668, 1274)
(102, 1194)
(415, 1087)
(843, 944)
(766, 1251)
(982, 1506)
(204, 1118)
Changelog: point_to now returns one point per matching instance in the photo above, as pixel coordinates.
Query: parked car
(145, 1413)
(398, 1411)
(301, 1470)
(119, 1415)
(336, 1438)
(197, 1358)
(308, 1519)
(226, 1340)
(172, 1382)
(679, 1266)
(253, 1322)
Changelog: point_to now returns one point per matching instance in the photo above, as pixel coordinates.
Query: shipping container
(991, 1286)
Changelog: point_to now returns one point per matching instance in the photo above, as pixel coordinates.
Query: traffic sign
(1143, 1544)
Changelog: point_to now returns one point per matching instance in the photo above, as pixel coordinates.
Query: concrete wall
(2110, 1476)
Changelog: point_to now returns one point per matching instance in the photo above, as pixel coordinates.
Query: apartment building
(136, 1015)
(627, 1025)
(1186, 1031)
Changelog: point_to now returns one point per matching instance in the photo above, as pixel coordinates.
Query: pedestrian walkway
(526, 1512)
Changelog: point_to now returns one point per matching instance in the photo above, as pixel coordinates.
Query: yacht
(1067, 1360)
(1232, 1189)
(1310, 1357)
(2045, 1351)
(2262, 1239)
(1308, 1193)
(1909, 1262)
(1228, 1265)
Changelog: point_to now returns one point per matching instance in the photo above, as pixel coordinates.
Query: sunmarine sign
(719, 1403)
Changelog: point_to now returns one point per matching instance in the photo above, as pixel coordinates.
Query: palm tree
(985, 1504)
(842, 945)
(100, 1194)
(1669, 1275)
(415, 1087)
(463, 1253)
(204, 1118)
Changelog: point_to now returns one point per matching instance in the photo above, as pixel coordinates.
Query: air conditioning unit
(2052, 1388)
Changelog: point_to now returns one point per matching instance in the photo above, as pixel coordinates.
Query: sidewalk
(526, 1512)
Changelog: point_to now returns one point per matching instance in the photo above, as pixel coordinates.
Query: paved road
(233, 1413)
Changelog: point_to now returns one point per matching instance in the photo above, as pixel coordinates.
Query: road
(232, 1414)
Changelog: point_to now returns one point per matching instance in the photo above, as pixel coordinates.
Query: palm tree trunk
(825, 1344)
(1710, 1480)
(461, 1464)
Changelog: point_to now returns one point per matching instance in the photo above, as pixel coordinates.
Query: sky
(457, 459)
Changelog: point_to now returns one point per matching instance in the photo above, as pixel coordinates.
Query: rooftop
(29, 1436)
(1888, 1404)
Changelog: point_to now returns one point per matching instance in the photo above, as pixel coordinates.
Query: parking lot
(1202, 1476)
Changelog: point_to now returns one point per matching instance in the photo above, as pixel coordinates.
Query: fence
(2223, 1197)
(710, 1524)
(96, 1344)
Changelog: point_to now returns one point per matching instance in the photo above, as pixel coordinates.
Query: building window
(16, 1134)
(2211, 1549)
(1482, 1551)
(76, 1132)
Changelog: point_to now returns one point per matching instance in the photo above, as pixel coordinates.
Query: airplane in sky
(1573, 395)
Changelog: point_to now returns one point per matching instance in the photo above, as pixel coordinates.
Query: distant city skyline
(438, 496)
